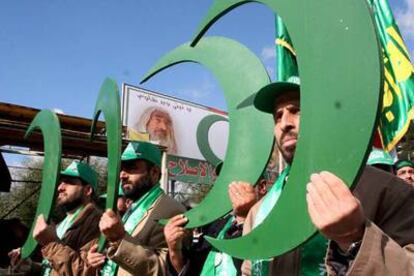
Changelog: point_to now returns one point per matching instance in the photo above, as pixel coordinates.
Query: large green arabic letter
(341, 72)
(48, 123)
(109, 104)
(240, 74)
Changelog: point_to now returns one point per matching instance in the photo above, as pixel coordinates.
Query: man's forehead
(160, 114)
(289, 97)
(70, 179)
(405, 168)
(134, 162)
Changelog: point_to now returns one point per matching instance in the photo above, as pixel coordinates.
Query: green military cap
(403, 163)
(265, 97)
(83, 171)
(142, 150)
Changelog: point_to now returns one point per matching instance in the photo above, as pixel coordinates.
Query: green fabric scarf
(261, 267)
(312, 256)
(131, 219)
(312, 253)
(219, 263)
(66, 223)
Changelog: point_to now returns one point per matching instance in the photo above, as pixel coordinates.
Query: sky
(56, 54)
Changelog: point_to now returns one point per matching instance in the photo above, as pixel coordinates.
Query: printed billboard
(186, 129)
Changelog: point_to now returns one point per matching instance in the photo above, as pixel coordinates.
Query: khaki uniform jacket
(388, 243)
(145, 251)
(68, 256)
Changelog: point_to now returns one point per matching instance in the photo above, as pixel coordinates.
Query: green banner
(190, 170)
(312, 253)
(397, 109)
(398, 101)
(285, 53)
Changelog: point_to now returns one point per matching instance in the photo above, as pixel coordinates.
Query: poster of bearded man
(172, 123)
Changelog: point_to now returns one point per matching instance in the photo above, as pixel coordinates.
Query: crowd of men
(368, 230)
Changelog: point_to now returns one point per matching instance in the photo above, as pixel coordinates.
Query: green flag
(398, 102)
(312, 253)
(286, 55)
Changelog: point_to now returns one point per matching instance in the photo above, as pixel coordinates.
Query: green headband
(403, 163)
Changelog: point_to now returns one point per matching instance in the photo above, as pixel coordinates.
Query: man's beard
(158, 134)
(138, 189)
(161, 137)
(288, 153)
(71, 204)
(164, 139)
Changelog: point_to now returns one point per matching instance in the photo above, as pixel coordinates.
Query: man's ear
(155, 174)
(88, 191)
(262, 187)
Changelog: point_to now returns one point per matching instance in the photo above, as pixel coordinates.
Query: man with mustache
(366, 231)
(158, 123)
(404, 169)
(137, 244)
(64, 247)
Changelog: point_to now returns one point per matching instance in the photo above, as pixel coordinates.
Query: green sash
(131, 219)
(261, 267)
(312, 256)
(312, 253)
(219, 263)
(66, 223)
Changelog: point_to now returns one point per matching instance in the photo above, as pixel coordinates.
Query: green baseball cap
(83, 171)
(142, 150)
(403, 163)
(265, 97)
(378, 156)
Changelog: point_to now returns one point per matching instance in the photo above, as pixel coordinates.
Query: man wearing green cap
(404, 169)
(137, 244)
(381, 159)
(64, 247)
(369, 231)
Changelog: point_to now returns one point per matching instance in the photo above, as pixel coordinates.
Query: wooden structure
(15, 119)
